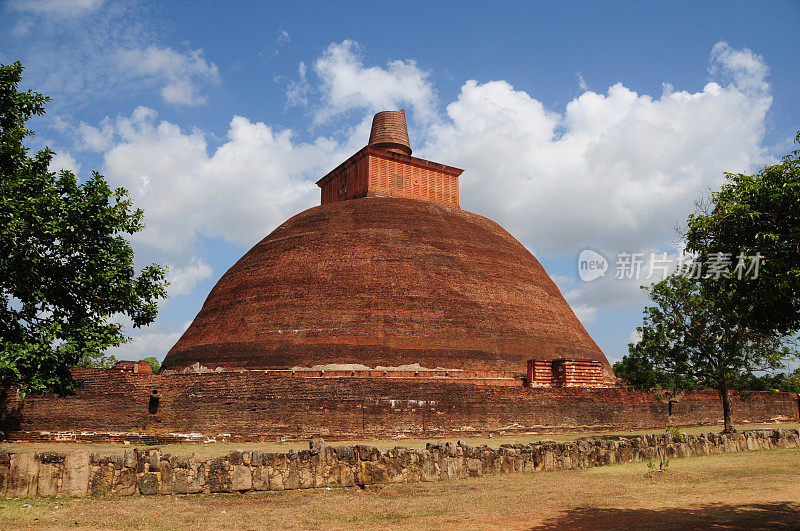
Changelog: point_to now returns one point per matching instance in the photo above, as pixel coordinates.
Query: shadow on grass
(713, 516)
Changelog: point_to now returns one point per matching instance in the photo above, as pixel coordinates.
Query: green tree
(154, 363)
(716, 330)
(688, 341)
(750, 215)
(787, 382)
(66, 267)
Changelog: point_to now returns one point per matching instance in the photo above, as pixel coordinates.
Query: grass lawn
(217, 449)
(741, 490)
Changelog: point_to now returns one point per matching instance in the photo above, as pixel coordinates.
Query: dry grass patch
(743, 490)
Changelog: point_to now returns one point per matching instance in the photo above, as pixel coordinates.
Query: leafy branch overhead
(67, 270)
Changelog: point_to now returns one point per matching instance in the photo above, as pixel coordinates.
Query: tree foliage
(66, 268)
(753, 214)
(689, 341)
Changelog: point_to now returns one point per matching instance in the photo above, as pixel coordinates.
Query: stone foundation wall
(149, 472)
(254, 406)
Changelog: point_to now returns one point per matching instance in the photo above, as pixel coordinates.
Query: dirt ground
(749, 490)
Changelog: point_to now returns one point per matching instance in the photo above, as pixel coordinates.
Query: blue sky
(608, 118)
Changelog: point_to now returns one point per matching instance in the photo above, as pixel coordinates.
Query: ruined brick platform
(264, 405)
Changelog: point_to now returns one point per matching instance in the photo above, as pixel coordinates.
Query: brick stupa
(388, 272)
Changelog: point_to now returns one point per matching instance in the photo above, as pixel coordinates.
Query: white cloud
(747, 69)
(62, 160)
(155, 340)
(614, 171)
(115, 52)
(181, 73)
(582, 82)
(254, 181)
(585, 313)
(297, 91)
(182, 280)
(346, 84)
(96, 138)
(69, 8)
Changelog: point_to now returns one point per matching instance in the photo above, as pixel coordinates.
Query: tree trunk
(725, 394)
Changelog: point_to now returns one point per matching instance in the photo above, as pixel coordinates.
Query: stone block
(23, 476)
(181, 481)
(474, 467)
(316, 445)
(102, 481)
(256, 458)
(148, 484)
(51, 457)
(167, 479)
(125, 484)
(260, 478)
(142, 461)
(276, 480)
(291, 477)
(346, 454)
(76, 474)
(49, 476)
(199, 459)
(154, 460)
(242, 478)
(129, 458)
(116, 461)
(219, 476)
(199, 480)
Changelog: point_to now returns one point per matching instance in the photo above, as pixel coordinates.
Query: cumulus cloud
(182, 280)
(96, 138)
(251, 183)
(614, 170)
(181, 73)
(346, 84)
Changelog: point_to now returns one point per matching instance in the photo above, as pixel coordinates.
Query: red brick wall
(565, 373)
(395, 178)
(350, 182)
(378, 172)
(251, 406)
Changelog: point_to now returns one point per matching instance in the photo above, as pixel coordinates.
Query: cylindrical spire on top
(389, 131)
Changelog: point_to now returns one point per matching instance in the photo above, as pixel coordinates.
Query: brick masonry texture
(385, 282)
(389, 131)
(252, 406)
(376, 172)
(149, 472)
